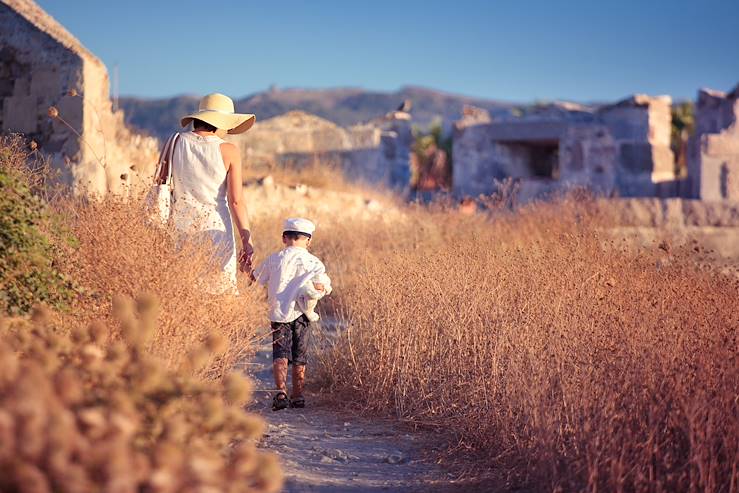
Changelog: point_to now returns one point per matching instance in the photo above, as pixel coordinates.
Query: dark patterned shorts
(290, 340)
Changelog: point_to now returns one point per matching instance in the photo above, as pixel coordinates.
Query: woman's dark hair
(201, 125)
(294, 235)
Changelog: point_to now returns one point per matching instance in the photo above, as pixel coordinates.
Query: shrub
(81, 414)
(28, 270)
(562, 359)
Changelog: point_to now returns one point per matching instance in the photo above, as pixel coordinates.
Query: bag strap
(170, 158)
(160, 162)
(164, 167)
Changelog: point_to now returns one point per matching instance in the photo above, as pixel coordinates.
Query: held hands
(246, 257)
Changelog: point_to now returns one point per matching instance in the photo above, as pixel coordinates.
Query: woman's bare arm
(232, 161)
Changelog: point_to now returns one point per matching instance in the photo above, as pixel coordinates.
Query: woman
(207, 187)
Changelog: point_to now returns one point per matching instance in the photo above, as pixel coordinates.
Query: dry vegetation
(118, 252)
(79, 413)
(560, 359)
(121, 391)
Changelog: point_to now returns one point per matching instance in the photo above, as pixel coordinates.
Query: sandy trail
(326, 451)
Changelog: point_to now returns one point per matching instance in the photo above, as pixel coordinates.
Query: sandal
(298, 402)
(280, 401)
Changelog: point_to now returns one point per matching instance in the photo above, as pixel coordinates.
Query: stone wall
(42, 66)
(713, 163)
(640, 127)
(377, 152)
(621, 149)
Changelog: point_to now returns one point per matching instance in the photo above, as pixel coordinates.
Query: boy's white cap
(300, 225)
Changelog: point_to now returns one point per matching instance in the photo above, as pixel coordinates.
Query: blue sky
(500, 49)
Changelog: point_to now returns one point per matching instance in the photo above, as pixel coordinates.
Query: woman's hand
(246, 257)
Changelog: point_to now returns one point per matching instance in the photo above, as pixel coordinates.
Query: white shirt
(284, 273)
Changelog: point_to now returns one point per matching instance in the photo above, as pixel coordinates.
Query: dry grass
(560, 359)
(110, 249)
(119, 253)
(81, 413)
(109, 395)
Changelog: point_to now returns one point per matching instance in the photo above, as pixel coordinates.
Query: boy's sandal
(298, 402)
(280, 401)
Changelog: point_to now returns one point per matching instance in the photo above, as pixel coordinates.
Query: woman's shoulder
(230, 149)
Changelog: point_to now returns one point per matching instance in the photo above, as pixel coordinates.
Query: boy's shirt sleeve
(321, 276)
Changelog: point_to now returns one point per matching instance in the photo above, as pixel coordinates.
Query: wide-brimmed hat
(218, 110)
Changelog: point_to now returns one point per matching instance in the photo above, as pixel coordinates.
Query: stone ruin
(43, 66)
(623, 149)
(620, 149)
(376, 152)
(713, 162)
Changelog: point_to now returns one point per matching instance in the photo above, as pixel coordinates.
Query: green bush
(27, 272)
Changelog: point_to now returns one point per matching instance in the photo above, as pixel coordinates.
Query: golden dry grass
(110, 395)
(81, 413)
(560, 359)
(119, 253)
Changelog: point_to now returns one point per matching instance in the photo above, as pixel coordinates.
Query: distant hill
(343, 106)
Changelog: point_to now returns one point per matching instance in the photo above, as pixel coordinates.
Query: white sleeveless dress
(200, 207)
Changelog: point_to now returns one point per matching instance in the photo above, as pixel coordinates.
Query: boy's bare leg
(298, 381)
(279, 369)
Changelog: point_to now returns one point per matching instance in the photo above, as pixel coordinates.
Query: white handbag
(159, 199)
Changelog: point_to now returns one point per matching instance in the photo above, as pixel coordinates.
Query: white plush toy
(308, 296)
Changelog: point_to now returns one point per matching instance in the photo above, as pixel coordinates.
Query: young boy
(286, 274)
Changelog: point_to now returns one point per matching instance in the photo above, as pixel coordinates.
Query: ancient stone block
(6, 87)
(22, 86)
(714, 149)
(20, 114)
(636, 158)
(723, 144)
(663, 163)
(631, 124)
(46, 82)
(526, 130)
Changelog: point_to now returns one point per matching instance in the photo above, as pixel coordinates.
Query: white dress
(200, 207)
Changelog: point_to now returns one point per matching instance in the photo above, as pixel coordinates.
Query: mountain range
(343, 106)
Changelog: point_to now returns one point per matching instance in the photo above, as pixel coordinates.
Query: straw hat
(218, 110)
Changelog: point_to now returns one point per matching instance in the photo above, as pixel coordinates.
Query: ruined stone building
(623, 149)
(713, 163)
(376, 152)
(43, 66)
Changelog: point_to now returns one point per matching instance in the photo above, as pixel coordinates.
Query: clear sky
(516, 50)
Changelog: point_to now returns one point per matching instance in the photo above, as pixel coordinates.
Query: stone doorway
(533, 159)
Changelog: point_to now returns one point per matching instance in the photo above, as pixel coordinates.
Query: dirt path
(324, 451)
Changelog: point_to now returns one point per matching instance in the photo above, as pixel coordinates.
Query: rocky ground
(323, 450)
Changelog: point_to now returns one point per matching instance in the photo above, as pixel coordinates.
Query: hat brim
(235, 123)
